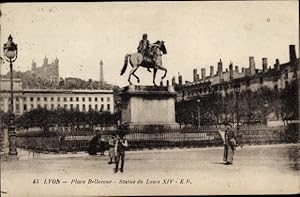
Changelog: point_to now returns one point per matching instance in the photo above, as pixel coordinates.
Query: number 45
(35, 181)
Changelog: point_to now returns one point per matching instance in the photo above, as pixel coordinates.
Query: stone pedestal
(148, 106)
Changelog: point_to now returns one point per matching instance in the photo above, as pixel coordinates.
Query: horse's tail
(125, 64)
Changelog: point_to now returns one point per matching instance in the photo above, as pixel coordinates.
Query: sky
(196, 35)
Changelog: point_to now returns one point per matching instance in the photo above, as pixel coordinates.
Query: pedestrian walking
(111, 150)
(120, 146)
(229, 144)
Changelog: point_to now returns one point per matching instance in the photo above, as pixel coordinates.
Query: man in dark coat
(143, 45)
(120, 146)
(229, 144)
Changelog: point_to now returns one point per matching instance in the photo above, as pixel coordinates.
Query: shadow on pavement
(294, 157)
(218, 163)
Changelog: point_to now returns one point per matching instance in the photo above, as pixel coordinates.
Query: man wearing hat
(144, 46)
(120, 146)
(229, 144)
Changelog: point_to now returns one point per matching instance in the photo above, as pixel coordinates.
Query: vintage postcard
(149, 98)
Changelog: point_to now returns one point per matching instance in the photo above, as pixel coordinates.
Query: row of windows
(71, 106)
(220, 88)
(71, 99)
(65, 99)
(225, 87)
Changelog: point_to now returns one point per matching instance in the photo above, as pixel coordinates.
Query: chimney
(203, 73)
(243, 69)
(230, 71)
(180, 80)
(173, 81)
(277, 65)
(168, 84)
(197, 77)
(220, 68)
(237, 69)
(265, 64)
(292, 53)
(211, 71)
(161, 83)
(226, 70)
(251, 65)
(101, 79)
(195, 74)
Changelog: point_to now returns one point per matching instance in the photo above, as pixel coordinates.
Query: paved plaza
(260, 169)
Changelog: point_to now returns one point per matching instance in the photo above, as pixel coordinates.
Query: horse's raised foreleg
(164, 69)
(164, 74)
(154, 75)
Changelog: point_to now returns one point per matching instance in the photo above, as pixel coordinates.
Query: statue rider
(144, 46)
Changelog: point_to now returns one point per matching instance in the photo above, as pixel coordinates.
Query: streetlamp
(237, 93)
(266, 105)
(1, 63)
(10, 51)
(198, 105)
(119, 113)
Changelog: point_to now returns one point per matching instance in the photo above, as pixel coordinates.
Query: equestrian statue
(148, 56)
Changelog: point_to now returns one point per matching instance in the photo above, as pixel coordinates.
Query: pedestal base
(148, 107)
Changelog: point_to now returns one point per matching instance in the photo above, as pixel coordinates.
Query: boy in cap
(111, 150)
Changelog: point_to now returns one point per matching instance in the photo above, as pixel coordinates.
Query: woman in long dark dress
(229, 145)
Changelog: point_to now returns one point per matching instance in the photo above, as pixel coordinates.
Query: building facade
(277, 77)
(28, 99)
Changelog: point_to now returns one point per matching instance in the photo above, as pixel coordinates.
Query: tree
(107, 118)
(39, 117)
(92, 118)
(229, 107)
(4, 119)
(289, 102)
(184, 112)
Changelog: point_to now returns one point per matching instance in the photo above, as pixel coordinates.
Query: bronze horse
(136, 60)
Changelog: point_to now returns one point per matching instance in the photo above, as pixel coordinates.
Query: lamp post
(198, 105)
(1, 63)
(266, 105)
(119, 113)
(10, 51)
(237, 93)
